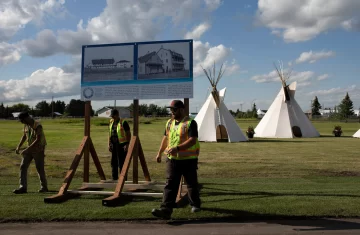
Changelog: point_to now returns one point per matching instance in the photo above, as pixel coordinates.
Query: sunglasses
(174, 110)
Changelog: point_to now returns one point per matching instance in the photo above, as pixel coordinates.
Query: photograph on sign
(163, 60)
(108, 63)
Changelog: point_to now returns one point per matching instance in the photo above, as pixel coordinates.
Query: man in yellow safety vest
(34, 134)
(119, 138)
(181, 145)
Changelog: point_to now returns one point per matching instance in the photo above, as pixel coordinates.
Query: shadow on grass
(229, 192)
(297, 140)
(343, 136)
(239, 216)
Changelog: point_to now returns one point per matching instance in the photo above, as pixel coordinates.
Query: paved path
(321, 226)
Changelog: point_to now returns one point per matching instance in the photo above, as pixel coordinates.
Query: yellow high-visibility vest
(119, 130)
(178, 135)
(31, 134)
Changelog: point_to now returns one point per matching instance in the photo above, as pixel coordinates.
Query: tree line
(247, 114)
(75, 108)
(341, 111)
(151, 110)
(45, 109)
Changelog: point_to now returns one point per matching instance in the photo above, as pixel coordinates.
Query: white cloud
(16, 14)
(198, 31)
(323, 77)
(44, 45)
(123, 21)
(8, 53)
(352, 24)
(337, 90)
(302, 20)
(232, 68)
(41, 84)
(265, 78)
(312, 57)
(205, 56)
(272, 76)
(213, 4)
(303, 84)
(301, 76)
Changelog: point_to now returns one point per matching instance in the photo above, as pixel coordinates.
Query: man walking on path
(34, 134)
(180, 143)
(119, 138)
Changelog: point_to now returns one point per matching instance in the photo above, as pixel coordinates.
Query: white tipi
(357, 134)
(285, 118)
(215, 123)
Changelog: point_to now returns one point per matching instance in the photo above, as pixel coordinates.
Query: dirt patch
(5, 151)
(338, 173)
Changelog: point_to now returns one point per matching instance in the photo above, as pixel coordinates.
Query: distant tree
(2, 110)
(59, 106)
(7, 112)
(315, 107)
(20, 107)
(143, 109)
(254, 111)
(346, 108)
(43, 109)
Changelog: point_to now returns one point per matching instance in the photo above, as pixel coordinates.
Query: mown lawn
(260, 178)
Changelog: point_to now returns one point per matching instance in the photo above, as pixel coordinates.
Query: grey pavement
(318, 226)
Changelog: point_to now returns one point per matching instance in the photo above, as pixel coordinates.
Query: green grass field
(314, 177)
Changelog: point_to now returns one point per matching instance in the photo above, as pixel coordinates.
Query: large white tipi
(357, 134)
(285, 118)
(215, 123)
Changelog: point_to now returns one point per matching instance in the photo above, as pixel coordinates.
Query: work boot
(43, 190)
(164, 213)
(20, 191)
(195, 209)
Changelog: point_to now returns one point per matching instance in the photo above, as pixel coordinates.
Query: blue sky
(319, 45)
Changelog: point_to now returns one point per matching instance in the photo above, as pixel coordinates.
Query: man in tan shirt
(34, 134)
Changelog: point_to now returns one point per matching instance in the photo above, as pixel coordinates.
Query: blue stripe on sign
(137, 82)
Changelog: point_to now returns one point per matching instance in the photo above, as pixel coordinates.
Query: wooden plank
(187, 106)
(87, 133)
(61, 196)
(135, 153)
(143, 162)
(179, 194)
(110, 201)
(128, 181)
(96, 160)
(111, 193)
(73, 167)
(128, 186)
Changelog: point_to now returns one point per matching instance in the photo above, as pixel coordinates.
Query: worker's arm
(162, 148)
(38, 132)
(22, 140)
(127, 134)
(193, 135)
(187, 144)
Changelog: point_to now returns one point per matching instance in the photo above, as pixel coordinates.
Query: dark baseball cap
(23, 115)
(176, 104)
(114, 112)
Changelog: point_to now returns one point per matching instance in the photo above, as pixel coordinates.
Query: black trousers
(174, 170)
(117, 160)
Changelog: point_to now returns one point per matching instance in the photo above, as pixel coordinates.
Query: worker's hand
(110, 148)
(25, 151)
(126, 147)
(17, 151)
(173, 151)
(158, 158)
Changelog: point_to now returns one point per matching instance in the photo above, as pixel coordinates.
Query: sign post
(128, 71)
